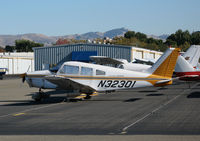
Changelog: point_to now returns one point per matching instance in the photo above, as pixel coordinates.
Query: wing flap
(68, 84)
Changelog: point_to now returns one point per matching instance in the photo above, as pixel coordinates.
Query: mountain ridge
(48, 40)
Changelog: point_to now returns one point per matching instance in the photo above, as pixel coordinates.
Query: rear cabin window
(67, 69)
(86, 71)
(100, 72)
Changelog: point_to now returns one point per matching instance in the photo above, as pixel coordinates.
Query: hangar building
(48, 57)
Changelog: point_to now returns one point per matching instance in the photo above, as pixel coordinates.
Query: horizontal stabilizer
(162, 81)
(183, 66)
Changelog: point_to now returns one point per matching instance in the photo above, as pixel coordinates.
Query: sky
(64, 17)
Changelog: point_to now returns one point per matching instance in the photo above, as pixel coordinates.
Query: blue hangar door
(83, 56)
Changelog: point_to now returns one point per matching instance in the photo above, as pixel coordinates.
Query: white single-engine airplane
(136, 65)
(88, 78)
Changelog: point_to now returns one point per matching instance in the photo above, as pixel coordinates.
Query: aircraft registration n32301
(116, 83)
(88, 78)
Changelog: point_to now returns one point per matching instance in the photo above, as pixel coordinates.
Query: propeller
(23, 76)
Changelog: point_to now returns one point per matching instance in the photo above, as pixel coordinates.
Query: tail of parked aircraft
(189, 61)
(165, 65)
(183, 66)
(192, 55)
(187, 65)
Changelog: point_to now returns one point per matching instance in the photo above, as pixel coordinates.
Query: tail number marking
(116, 84)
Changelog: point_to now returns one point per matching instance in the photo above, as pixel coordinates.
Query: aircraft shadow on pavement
(53, 92)
(194, 95)
(148, 91)
(120, 100)
(50, 100)
(59, 99)
(162, 88)
(154, 94)
(132, 99)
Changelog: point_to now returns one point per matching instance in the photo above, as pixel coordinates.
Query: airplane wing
(68, 84)
(144, 61)
(107, 60)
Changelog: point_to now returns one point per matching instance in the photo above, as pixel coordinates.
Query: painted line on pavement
(31, 109)
(124, 130)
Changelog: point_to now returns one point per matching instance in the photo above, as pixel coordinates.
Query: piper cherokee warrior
(89, 78)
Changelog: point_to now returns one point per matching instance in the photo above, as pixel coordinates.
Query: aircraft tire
(88, 97)
(37, 97)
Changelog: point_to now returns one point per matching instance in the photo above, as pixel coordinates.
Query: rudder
(165, 65)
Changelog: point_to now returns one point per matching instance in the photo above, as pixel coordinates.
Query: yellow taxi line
(18, 114)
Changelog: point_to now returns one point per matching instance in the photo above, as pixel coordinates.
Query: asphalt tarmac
(169, 111)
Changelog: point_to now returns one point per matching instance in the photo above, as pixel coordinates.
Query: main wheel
(37, 97)
(88, 97)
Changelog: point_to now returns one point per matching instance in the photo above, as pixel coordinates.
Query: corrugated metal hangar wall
(55, 55)
(48, 57)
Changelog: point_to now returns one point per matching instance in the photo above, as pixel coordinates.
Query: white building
(17, 63)
(141, 53)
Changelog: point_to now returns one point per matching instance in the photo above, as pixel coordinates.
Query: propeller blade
(23, 76)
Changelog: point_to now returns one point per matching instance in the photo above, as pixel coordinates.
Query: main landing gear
(88, 96)
(40, 96)
(77, 97)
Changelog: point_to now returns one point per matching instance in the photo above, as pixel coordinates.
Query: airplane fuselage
(99, 78)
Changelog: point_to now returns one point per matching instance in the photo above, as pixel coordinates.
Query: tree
(195, 38)
(170, 42)
(2, 49)
(179, 38)
(26, 45)
(172, 37)
(150, 40)
(129, 34)
(9, 48)
(159, 42)
(185, 46)
(62, 41)
(141, 36)
(182, 37)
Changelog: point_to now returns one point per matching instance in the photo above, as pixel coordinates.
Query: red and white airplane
(187, 67)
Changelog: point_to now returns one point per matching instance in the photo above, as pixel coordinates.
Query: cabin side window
(67, 69)
(86, 71)
(100, 72)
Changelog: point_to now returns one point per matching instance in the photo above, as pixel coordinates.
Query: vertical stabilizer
(165, 65)
(192, 55)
